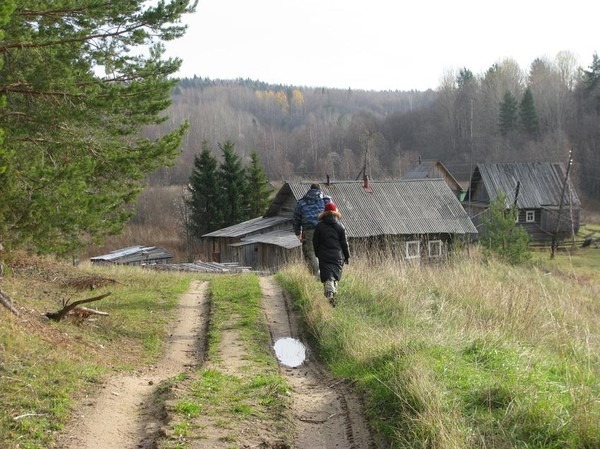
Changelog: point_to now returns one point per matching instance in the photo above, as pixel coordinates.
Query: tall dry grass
(157, 222)
(464, 354)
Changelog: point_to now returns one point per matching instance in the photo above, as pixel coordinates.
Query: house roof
(432, 169)
(248, 227)
(423, 206)
(541, 183)
(133, 254)
(285, 239)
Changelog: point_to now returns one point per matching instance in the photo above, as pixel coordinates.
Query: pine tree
(78, 93)
(503, 237)
(528, 114)
(205, 203)
(6, 186)
(258, 187)
(233, 186)
(592, 82)
(508, 113)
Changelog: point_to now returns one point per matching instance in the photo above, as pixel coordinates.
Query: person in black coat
(331, 248)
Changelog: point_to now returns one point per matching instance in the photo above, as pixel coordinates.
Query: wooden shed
(262, 243)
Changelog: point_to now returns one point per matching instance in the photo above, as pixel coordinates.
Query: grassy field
(581, 264)
(462, 355)
(469, 354)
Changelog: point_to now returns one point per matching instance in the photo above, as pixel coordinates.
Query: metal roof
(248, 227)
(133, 253)
(541, 183)
(285, 239)
(431, 169)
(423, 206)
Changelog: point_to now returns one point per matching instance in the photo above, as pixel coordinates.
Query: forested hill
(506, 114)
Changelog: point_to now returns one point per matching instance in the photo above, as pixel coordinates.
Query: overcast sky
(378, 44)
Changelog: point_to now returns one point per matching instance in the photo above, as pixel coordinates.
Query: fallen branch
(57, 316)
(7, 301)
(88, 311)
(16, 418)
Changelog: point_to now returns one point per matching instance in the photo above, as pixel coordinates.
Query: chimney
(366, 182)
(328, 183)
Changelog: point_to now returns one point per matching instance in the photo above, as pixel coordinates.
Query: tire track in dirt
(327, 414)
(124, 415)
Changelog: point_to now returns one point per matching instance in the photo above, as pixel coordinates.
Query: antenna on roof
(366, 142)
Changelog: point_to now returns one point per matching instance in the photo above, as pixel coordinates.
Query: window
(435, 248)
(529, 216)
(413, 249)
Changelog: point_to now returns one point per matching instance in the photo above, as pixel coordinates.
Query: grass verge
(46, 366)
(468, 354)
(577, 263)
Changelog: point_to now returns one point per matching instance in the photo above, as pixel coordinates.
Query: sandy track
(327, 414)
(123, 416)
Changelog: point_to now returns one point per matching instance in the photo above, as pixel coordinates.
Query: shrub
(503, 236)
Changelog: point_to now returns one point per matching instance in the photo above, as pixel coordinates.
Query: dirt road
(124, 416)
(327, 413)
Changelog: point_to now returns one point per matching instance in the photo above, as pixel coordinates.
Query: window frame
(433, 243)
(410, 243)
(530, 216)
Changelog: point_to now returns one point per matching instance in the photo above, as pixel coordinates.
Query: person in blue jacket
(331, 247)
(306, 217)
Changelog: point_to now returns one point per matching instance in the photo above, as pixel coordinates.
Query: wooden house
(135, 255)
(414, 219)
(547, 203)
(430, 169)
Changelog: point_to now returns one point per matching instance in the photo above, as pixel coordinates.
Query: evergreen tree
(205, 204)
(258, 187)
(77, 94)
(508, 113)
(6, 186)
(233, 186)
(503, 236)
(465, 77)
(528, 114)
(592, 82)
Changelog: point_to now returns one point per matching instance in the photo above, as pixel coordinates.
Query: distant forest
(503, 115)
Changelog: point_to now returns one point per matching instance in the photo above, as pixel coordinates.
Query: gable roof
(541, 183)
(432, 169)
(405, 207)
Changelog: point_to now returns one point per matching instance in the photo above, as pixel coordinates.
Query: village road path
(123, 415)
(326, 413)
